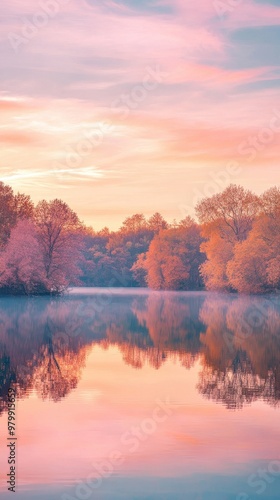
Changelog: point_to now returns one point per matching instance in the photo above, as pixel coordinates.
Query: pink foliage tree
(21, 263)
(43, 256)
(59, 233)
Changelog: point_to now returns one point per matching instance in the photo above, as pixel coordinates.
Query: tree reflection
(44, 342)
(241, 354)
(157, 328)
(40, 348)
(59, 368)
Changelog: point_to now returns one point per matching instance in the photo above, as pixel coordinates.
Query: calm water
(142, 395)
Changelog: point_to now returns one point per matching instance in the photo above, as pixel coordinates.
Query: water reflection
(44, 342)
(241, 350)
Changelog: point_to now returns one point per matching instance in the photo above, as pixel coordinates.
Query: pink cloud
(250, 13)
(62, 88)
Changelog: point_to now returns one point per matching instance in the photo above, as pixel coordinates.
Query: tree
(227, 219)
(7, 216)
(268, 229)
(231, 213)
(134, 224)
(59, 235)
(156, 223)
(214, 270)
(255, 267)
(270, 203)
(247, 271)
(23, 207)
(173, 259)
(12, 209)
(139, 270)
(21, 264)
(186, 222)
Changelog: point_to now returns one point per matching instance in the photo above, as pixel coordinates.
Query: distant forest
(233, 246)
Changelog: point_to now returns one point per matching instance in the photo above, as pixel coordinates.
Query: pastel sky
(129, 106)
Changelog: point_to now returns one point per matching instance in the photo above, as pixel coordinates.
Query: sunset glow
(137, 106)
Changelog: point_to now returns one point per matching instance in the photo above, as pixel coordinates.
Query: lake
(132, 394)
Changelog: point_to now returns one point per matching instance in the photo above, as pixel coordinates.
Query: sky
(129, 106)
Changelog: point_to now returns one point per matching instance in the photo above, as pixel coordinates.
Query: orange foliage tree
(255, 267)
(173, 259)
(226, 219)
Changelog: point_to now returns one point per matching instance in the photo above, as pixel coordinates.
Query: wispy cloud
(221, 87)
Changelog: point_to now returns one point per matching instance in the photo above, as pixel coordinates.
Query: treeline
(235, 246)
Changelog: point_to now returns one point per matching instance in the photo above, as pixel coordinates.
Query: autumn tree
(7, 216)
(247, 270)
(134, 224)
(156, 223)
(21, 264)
(139, 270)
(186, 222)
(59, 236)
(268, 228)
(231, 212)
(23, 207)
(12, 209)
(226, 219)
(173, 259)
(255, 267)
(214, 270)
